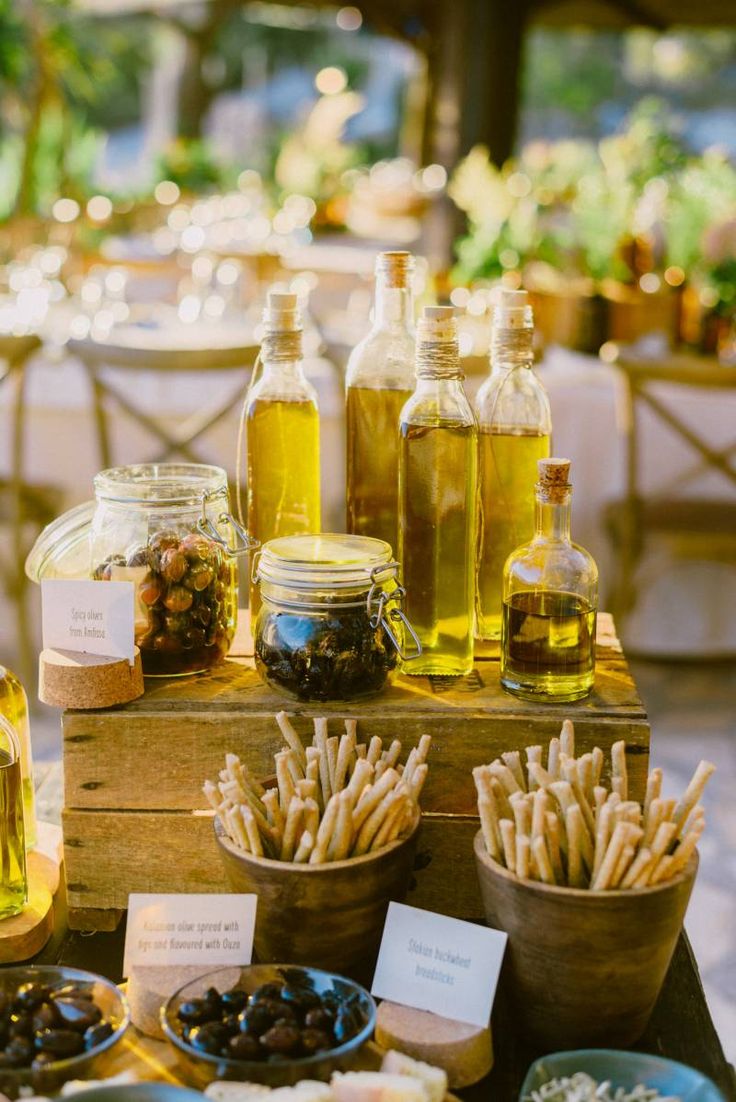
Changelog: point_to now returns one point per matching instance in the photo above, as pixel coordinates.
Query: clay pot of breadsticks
(590, 886)
(325, 848)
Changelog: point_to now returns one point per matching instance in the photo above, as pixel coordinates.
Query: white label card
(433, 962)
(88, 616)
(189, 929)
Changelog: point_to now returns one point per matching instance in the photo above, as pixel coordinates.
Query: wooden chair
(701, 528)
(97, 356)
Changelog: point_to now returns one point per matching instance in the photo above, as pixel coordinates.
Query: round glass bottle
(438, 501)
(514, 426)
(282, 421)
(330, 624)
(550, 601)
(379, 380)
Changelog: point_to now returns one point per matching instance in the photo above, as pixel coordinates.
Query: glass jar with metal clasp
(167, 527)
(330, 626)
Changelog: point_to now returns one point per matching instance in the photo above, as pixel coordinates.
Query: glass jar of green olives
(330, 626)
(167, 527)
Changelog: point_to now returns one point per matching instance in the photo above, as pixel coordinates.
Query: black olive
(73, 991)
(21, 1025)
(267, 991)
(195, 1011)
(301, 997)
(210, 1038)
(96, 1034)
(46, 1016)
(30, 995)
(316, 1040)
(60, 1042)
(283, 1039)
(234, 1001)
(78, 1014)
(255, 1019)
(19, 1052)
(318, 1018)
(244, 1046)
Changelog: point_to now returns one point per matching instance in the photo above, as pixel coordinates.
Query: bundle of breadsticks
(561, 825)
(335, 799)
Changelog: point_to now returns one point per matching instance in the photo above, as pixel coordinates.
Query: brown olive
(245, 1046)
(173, 564)
(178, 599)
(318, 1018)
(149, 592)
(282, 1038)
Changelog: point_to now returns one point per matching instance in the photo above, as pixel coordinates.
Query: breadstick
(331, 745)
(505, 776)
(418, 778)
(284, 780)
(570, 773)
(562, 792)
(212, 793)
(523, 853)
(375, 749)
(306, 845)
(575, 823)
(311, 816)
(599, 798)
(320, 742)
(597, 765)
(501, 797)
(362, 775)
(567, 738)
(251, 829)
(423, 748)
(361, 750)
(372, 797)
(306, 789)
(489, 826)
(538, 776)
(553, 759)
(372, 823)
(346, 746)
(236, 828)
(292, 738)
(662, 870)
(603, 832)
(318, 856)
(292, 764)
(642, 861)
(611, 858)
(512, 759)
(342, 837)
(693, 792)
(293, 828)
(273, 809)
(654, 790)
(539, 814)
(241, 773)
(553, 845)
(508, 838)
(311, 773)
(627, 856)
(619, 773)
(541, 856)
(585, 777)
(393, 814)
(522, 813)
(351, 730)
(575, 831)
(402, 821)
(391, 756)
(685, 850)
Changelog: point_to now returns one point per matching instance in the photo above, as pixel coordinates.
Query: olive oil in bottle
(13, 879)
(514, 424)
(379, 380)
(550, 596)
(282, 422)
(14, 706)
(438, 502)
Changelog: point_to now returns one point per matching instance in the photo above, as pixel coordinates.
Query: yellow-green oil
(283, 471)
(14, 706)
(507, 476)
(373, 462)
(13, 883)
(548, 645)
(437, 501)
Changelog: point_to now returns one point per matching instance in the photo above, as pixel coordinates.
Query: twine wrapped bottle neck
(438, 352)
(512, 348)
(282, 347)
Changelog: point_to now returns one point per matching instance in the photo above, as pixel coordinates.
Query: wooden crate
(133, 775)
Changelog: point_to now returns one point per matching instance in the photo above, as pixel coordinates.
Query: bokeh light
(166, 192)
(331, 80)
(65, 210)
(349, 19)
(99, 208)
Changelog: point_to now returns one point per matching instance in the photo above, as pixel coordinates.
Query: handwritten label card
(433, 962)
(93, 617)
(189, 929)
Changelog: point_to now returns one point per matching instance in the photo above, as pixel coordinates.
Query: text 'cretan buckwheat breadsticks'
(334, 799)
(559, 823)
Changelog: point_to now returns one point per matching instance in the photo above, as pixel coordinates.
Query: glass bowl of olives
(268, 1023)
(56, 1023)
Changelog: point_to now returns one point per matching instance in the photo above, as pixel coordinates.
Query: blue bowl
(624, 1069)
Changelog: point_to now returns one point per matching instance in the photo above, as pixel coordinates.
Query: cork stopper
(282, 312)
(395, 268)
(512, 310)
(553, 486)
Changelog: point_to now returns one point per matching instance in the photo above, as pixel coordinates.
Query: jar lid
(61, 549)
(159, 483)
(325, 560)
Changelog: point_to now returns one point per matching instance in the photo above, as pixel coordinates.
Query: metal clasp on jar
(243, 543)
(380, 614)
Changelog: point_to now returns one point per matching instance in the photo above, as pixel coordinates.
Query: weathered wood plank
(105, 849)
(159, 762)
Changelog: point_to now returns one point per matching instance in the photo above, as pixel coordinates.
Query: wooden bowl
(329, 916)
(584, 968)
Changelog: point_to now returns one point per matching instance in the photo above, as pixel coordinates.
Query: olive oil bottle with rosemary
(550, 601)
(514, 432)
(379, 380)
(282, 421)
(438, 501)
(14, 706)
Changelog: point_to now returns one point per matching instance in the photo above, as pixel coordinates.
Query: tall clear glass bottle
(282, 421)
(13, 875)
(379, 380)
(514, 427)
(14, 706)
(438, 488)
(550, 601)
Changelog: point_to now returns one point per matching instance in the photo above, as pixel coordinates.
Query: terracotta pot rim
(307, 869)
(562, 891)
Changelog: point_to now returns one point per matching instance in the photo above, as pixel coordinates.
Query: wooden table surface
(681, 1027)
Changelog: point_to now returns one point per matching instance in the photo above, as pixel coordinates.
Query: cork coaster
(25, 934)
(72, 679)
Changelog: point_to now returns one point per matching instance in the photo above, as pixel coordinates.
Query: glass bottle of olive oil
(14, 706)
(550, 600)
(514, 432)
(13, 877)
(438, 488)
(282, 422)
(379, 379)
